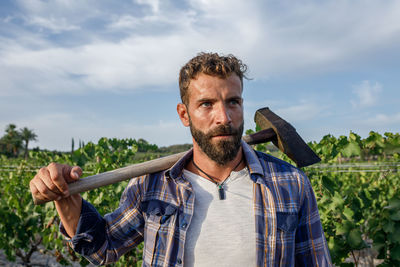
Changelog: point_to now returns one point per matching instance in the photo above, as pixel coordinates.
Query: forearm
(93, 238)
(69, 211)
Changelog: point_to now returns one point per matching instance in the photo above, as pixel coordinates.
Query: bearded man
(222, 204)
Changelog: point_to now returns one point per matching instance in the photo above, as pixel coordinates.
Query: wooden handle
(139, 169)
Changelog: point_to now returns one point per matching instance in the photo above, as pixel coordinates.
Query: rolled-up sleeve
(90, 234)
(103, 240)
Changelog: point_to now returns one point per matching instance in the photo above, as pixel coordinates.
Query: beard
(222, 151)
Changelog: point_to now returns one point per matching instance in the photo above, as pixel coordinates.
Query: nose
(223, 115)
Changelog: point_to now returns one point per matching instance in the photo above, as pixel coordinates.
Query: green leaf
(394, 204)
(388, 227)
(395, 237)
(329, 184)
(337, 200)
(395, 253)
(355, 240)
(351, 149)
(395, 216)
(344, 228)
(348, 213)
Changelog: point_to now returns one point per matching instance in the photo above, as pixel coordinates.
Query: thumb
(76, 173)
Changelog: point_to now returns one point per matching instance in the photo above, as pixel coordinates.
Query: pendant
(221, 192)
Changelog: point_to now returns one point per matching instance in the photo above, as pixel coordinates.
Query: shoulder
(274, 166)
(149, 182)
(158, 186)
(287, 183)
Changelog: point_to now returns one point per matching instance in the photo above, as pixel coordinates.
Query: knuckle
(44, 190)
(63, 186)
(42, 171)
(52, 187)
(56, 176)
(52, 165)
(34, 191)
(32, 187)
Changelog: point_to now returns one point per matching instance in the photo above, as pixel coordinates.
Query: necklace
(221, 191)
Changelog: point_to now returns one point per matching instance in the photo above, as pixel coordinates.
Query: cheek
(200, 115)
(237, 113)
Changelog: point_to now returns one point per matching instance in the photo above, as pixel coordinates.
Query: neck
(218, 172)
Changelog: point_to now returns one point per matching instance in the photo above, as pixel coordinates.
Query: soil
(37, 259)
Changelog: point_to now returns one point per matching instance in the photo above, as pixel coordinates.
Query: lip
(223, 136)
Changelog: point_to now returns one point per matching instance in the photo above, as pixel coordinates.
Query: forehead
(205, 84)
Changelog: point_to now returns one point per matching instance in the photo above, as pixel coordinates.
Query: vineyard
(357, 185)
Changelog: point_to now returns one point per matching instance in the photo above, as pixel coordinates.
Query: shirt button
(184, 225)
(179, 261)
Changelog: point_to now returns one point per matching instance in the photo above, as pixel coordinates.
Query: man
(222, 204)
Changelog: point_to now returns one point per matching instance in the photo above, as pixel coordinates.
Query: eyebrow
(235, 98)
(206, 100)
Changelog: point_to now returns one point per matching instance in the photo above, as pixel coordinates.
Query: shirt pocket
(158, 211)
(285, 240)
(160, 220)
(287, 221)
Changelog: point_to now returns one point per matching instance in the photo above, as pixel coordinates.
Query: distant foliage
(353, 147)
(14, 140)
(358, 208)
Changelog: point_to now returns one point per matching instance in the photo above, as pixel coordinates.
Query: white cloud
(60, 46)
(154, 4)
(303, 111)
(367, 94)
(125, 22)
(56, 25)
(383, 120)
(299, 38)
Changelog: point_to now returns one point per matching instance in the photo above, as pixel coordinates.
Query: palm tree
(27, 135)
(12, 140)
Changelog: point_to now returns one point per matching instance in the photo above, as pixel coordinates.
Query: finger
(32, 187)
(71, 174)
(41, 191)
(57, 178)
(75, 173)
(45, 176)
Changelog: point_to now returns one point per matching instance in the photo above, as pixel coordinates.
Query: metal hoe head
(286, 138)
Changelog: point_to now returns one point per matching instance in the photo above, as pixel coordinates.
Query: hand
(51, 182)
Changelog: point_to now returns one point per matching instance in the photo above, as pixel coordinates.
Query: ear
(183, 114)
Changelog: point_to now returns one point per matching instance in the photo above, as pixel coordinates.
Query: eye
(206, 104)
(234, 102)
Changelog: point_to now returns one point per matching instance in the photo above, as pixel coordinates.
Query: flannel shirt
(158, 208)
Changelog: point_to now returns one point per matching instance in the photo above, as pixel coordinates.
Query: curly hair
(210, 64)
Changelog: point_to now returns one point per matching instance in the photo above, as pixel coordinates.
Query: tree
(11, 142)
(72, 146)
(27, 135)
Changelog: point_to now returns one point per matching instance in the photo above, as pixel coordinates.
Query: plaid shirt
(158, 208)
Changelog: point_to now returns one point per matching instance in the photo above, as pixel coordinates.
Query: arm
(102, 240)
(51, 183)
(311, 247)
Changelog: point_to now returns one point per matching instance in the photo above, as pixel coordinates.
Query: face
(214, 114)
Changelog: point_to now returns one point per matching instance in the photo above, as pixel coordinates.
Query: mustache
(223, 130)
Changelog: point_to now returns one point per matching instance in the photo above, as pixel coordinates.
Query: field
(357, 185)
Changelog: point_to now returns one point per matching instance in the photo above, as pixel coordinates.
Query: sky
(88, 69)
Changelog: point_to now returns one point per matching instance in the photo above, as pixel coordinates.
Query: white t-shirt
(222, 232)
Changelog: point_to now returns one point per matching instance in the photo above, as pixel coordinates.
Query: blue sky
(87, 69)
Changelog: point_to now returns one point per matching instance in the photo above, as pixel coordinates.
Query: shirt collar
(176, 170)
(253, 163)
